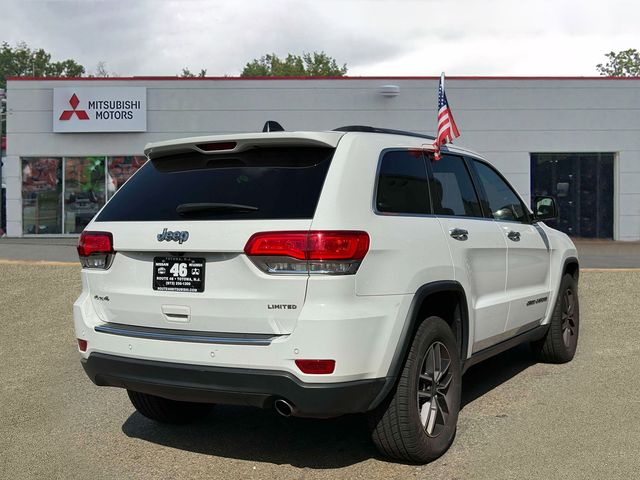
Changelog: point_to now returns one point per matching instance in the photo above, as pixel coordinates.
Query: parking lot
(520, 419)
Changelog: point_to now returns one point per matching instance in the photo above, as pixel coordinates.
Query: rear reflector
(316, 367)
(95, 249)
(214, 147)
(327, 251)
(82, 345)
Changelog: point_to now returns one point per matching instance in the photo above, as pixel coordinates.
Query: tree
(186, 73)
(101, 69)
(622, 64)
(21, 61)
(308, 65)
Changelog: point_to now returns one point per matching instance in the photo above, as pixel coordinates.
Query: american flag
(447, 128)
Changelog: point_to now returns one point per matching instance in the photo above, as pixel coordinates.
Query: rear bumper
(235, 386)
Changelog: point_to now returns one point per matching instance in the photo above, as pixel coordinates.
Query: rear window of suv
(261, 183)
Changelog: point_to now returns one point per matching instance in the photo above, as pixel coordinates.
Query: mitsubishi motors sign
(99, 109)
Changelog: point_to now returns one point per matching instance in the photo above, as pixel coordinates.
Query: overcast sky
(373, 37)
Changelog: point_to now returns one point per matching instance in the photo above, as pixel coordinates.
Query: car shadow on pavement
(257, 435)
(495, 371)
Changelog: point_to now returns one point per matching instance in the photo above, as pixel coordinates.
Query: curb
(4, 261)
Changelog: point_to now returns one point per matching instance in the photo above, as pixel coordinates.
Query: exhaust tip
(283, 407)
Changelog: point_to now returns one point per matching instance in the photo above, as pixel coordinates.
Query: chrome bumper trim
(191, 336)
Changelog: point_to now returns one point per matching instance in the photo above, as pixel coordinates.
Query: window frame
(374, 196)
(474, 184)
(528, 220)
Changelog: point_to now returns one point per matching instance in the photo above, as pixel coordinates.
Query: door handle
(514, 236)
(459, 234)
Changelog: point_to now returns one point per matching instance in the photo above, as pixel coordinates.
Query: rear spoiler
(215, 144)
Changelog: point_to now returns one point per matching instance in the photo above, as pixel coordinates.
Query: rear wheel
(560, 343)
(167, 411)
(418, 422)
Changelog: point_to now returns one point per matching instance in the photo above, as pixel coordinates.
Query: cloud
(374, 37)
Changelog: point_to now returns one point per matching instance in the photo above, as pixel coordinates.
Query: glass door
(84, 191)
(583, 186)
(41, 195)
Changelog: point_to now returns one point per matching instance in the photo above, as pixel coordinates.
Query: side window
(503, 203)
(402, 183)
(452, 191)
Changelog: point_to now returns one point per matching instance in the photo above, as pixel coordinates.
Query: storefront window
(119, 171)
(53, 203)
(41, 195)
(84, 191)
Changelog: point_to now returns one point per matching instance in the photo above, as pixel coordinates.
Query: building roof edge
(243, 79)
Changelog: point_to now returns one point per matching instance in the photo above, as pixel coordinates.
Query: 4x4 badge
(177, 236)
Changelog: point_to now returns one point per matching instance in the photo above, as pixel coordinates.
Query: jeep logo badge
(169, 236)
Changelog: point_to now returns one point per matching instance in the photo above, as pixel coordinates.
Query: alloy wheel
(568, 316)
(434, 392)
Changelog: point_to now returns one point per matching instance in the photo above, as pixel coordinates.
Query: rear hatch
(181, 223)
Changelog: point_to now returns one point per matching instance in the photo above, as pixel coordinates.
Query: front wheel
(561, 340)
(418, 422)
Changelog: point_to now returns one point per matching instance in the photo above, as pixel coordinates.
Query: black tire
(397, 427)
(167, 411)
(561, 340)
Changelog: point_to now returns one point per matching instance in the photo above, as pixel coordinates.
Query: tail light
(95, 249)
(315, 252)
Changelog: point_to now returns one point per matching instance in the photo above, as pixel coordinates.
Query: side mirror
(544, 208)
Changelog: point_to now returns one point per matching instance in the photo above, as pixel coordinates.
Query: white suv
(320, 273)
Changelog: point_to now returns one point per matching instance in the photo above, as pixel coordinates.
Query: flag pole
(442, 83)
(447, 128)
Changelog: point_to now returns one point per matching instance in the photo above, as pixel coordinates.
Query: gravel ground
(520, 419)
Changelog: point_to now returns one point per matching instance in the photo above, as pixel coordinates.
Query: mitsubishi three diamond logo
(67, 114)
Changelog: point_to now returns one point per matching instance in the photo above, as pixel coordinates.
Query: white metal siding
(504, 119)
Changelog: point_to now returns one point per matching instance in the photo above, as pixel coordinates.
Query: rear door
(528, 257)
(180, 225)
(477, 246)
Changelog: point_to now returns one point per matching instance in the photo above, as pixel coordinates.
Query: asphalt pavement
(520, 419)
(39, 249)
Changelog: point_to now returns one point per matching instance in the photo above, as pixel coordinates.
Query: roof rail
(366, 128)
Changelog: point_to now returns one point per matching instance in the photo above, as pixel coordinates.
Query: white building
(576, 138)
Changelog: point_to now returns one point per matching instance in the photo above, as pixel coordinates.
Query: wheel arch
(446, 299)
(572, 267)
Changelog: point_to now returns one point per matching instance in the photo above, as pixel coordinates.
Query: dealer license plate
(178, 274)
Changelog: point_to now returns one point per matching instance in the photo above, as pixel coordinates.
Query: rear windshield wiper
(186, 208)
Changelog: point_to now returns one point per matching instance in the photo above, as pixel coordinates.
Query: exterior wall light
(389, 90)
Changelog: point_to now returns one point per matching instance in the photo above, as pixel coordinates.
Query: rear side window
(402, 183)
(452, 189)
(261, 183)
